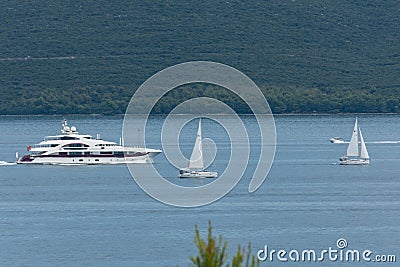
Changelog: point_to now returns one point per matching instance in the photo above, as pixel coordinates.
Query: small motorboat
(336, 140)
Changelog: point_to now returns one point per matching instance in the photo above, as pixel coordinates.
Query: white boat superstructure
(72, 148)
(354, 155)
(196, 163)
(336, 140)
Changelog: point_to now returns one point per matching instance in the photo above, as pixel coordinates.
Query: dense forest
(112, 100)
(306, 56)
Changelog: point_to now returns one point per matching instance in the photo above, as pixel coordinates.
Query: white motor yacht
(72, 148)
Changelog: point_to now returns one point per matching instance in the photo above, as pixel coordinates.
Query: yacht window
(105, 145)
(106, 153)
(69, 138)
(75, 148)
(76, 145)
(62, 153)
(75, 153)
(50, 138)
(43, 145)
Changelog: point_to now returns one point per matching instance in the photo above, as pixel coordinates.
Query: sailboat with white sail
(354, 155)
(196, 163)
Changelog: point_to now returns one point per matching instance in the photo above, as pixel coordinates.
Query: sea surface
(99, 216)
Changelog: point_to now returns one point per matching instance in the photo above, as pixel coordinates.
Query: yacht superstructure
(72, 148)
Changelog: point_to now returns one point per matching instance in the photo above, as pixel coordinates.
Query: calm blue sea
(98, 216)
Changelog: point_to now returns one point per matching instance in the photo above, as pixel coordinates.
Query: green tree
(213, 254)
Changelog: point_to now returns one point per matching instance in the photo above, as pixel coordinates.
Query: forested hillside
(307, 56)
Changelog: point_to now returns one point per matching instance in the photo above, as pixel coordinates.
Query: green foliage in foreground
(212, 253)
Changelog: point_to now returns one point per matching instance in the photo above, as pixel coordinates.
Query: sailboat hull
(354, 162)
(198, 174)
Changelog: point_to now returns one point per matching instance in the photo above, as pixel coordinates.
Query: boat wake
(373, 142)
(4, 163)
(384, 142)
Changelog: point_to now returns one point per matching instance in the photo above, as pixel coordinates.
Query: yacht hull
(354, 162)
(198, 174)
(28, 159)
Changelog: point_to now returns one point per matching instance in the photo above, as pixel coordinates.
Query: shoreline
(222, 114)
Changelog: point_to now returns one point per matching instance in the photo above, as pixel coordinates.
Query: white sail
(364, 152)
(196, 159)
(352, 149)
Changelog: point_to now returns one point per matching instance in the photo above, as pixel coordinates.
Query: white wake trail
(4, 163)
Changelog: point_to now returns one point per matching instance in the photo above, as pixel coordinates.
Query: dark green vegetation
(307, 56)
(212, 253)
